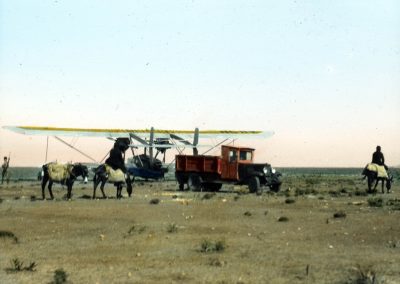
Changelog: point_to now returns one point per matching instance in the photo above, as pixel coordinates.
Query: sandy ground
(134, 240)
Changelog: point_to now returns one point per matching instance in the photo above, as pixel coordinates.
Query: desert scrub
(290, 201)
(59, 277)
(210, 246)
(135, 229)
(18, 266)
(375, 202)
(364, 275)
(208, 196)
(283, 219)
(155, 201)
(8, 234)
(339, 214)
(172, 228)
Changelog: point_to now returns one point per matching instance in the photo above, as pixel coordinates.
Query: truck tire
(254, 185)
(276, 187)
(194, 182)
(181, 181)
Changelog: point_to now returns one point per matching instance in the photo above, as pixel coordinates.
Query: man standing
(4, 173)
(377, 157)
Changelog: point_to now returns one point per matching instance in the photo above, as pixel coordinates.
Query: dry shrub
(18, 266)
(339, 214)
(60, 277)
(290, 201)
(208, 196)
(364, 275)
(216, 262)
(136, 229)
(283, 219)
(375, 202)
(210, 246)
(155, 201)
(172, 228)
(8, 234)
(247, 213)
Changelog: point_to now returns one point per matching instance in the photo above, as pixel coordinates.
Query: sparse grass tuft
(247, 213)
(375, 202)
(18, 266)
(8, 234)
(172, 228)
(136, 229)
(155, 201)
(216, 262)
(394, 204)
(236, 197)
(209, 246)
(283, 219)
(290, 201)
(364, 275)
(208, 196)
(60, 277)
(339, 214)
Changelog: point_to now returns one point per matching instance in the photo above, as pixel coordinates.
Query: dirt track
(134, 241)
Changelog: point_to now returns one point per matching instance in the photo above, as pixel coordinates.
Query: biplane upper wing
(116, 133)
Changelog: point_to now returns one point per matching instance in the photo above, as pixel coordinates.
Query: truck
(234, 166)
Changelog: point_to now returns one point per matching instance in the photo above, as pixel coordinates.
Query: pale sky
(323, 75)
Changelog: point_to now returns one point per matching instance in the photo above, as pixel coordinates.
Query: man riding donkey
(377, 170)
(114, 166)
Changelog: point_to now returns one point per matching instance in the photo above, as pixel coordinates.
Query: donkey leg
(69, 193)
(383, 185)
(103, 183)
(376, 183)
(50, 191)
(95, 184)
(119, 191)
(129, 188)
(44, 182)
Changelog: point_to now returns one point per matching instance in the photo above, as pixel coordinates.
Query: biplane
(153, 142)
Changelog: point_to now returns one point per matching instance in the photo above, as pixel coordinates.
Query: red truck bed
(202, 164)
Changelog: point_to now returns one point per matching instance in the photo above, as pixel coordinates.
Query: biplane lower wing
(116, 133)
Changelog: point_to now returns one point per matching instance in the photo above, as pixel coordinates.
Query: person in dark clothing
(116, 160)
(377, 157)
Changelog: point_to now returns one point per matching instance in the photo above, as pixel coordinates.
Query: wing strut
(69, 145)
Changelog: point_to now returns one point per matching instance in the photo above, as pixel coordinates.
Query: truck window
(232, 156)
(245, 155)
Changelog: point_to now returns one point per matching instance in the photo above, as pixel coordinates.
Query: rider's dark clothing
(377, 158)
(116, 159)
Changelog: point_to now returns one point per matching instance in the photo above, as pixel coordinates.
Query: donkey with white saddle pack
(105, 173)
(375, 173)
(65, 174)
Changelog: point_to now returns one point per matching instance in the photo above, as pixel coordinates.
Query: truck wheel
(194, 182)
(181, 186)
(276, 187)
(254, 185)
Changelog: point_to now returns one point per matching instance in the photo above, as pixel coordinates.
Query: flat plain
(317, 229)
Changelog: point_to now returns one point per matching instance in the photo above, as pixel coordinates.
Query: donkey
(104, 174)
(65, 174)
(372, 176)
